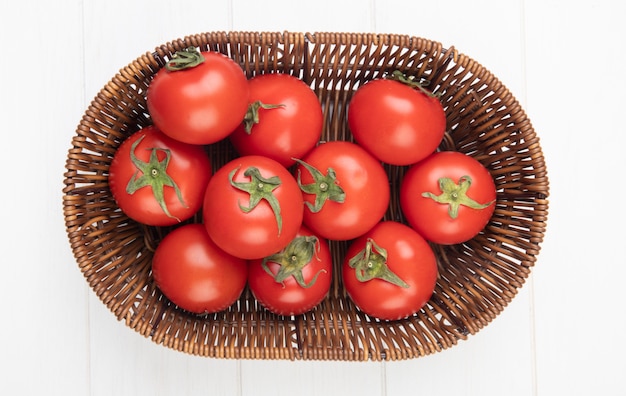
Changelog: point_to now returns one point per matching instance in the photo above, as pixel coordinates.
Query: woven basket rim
(478, 279)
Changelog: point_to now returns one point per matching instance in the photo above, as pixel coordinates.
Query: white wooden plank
(308, 378)
(495, 361)
(486, 30)
(500, 356)
(117, 32)
(44, 321)
(122, 361)
(320, 16)
(575, 93)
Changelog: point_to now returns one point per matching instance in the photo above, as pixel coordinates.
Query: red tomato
(390, 273)
(252, 207)
(194, 273)
(284, 119)
(296, 279)
(396, 122)
(346, 190)
(199, 102)
(448, 198)
(157, 180)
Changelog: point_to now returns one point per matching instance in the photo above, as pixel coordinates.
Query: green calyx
(454, 195)
(259, 188)
(371, 263)
(324, 187)
(411, 82)
(153, 174)
(185, 59)
(252, 115)
(292, 259)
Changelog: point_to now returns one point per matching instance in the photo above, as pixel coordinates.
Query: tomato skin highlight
(364, 182)
(189, 167)
(396, 123)
(256, 233)
(432, 219)
(289, 297)
(410, 257)
(193, 273)
(285, 132)
(202, 104)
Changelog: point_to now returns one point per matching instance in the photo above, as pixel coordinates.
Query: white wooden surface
(562, 335)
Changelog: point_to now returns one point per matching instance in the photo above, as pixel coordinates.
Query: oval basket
(477, 279)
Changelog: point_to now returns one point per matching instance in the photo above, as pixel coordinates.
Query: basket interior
(477, 279)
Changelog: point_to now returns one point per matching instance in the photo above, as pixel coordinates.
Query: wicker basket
(477, 279)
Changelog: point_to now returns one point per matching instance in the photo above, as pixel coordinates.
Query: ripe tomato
(396, 122)
(390, 273)
(199, 97)
(284, 119)
(157, 180)
(448, 198)
(194, 273)
(294, 280)
(346, 190)
(252, 207)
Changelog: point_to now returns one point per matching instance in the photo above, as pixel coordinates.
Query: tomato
(346, 190)
(199, 97)
(395, 121)
(193, 273)
(294, 280)
(390, 273)
(252, 207)
(448, 198)
(284, 119)
(157, 180)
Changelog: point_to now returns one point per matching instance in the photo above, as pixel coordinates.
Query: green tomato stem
(324, 187)
(454, 195)
(411, 82)
(292, 260)
(153, 174)
(185, 59)
(371, 263)
(259, 188)
(252, 114)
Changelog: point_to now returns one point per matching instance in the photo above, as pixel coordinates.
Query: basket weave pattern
(477, 279)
